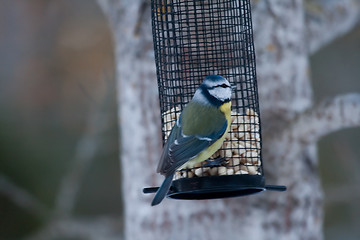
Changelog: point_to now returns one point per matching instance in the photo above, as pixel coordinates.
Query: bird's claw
(217, 162)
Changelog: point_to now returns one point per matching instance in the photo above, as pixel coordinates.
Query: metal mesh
(196, 38)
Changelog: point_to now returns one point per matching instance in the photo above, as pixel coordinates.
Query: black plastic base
(217, 187)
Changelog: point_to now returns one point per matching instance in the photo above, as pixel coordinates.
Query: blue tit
(198, 132)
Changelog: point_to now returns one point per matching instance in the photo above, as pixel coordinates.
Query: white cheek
(221, 93)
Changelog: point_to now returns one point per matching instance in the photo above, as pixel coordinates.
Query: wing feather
(181, 148)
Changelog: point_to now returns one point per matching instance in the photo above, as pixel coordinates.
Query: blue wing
(181, 148)
(203, 126)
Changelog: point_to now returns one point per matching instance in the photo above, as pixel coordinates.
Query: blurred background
(335, 70)
(58, 120)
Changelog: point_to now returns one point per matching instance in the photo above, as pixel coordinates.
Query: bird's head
(215, 90)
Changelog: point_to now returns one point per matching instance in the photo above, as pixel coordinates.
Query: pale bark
(285, 96)
(326, 20)
(329, 116)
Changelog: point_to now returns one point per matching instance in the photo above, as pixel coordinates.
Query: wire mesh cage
(194, 39)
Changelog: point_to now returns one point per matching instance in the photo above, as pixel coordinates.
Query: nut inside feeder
(193, 39)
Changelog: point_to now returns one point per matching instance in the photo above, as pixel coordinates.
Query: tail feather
(162, 191)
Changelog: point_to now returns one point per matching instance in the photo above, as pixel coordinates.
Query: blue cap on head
(214, 77)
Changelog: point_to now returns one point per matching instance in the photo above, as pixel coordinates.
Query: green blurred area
(56, 71)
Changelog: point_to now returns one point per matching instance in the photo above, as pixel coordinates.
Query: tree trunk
(291, 127)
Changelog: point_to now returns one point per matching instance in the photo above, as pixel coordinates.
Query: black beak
(233, 88)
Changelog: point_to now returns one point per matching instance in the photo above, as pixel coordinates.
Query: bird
(198, 132)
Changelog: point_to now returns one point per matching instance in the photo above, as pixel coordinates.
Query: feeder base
(213, 187)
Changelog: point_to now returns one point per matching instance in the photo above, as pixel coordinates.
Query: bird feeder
(194, 39)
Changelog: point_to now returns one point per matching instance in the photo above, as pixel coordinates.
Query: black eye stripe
(222, 85)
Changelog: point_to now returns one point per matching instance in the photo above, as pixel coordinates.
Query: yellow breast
(226, 109)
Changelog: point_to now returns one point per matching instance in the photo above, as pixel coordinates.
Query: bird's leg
(217, 162)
